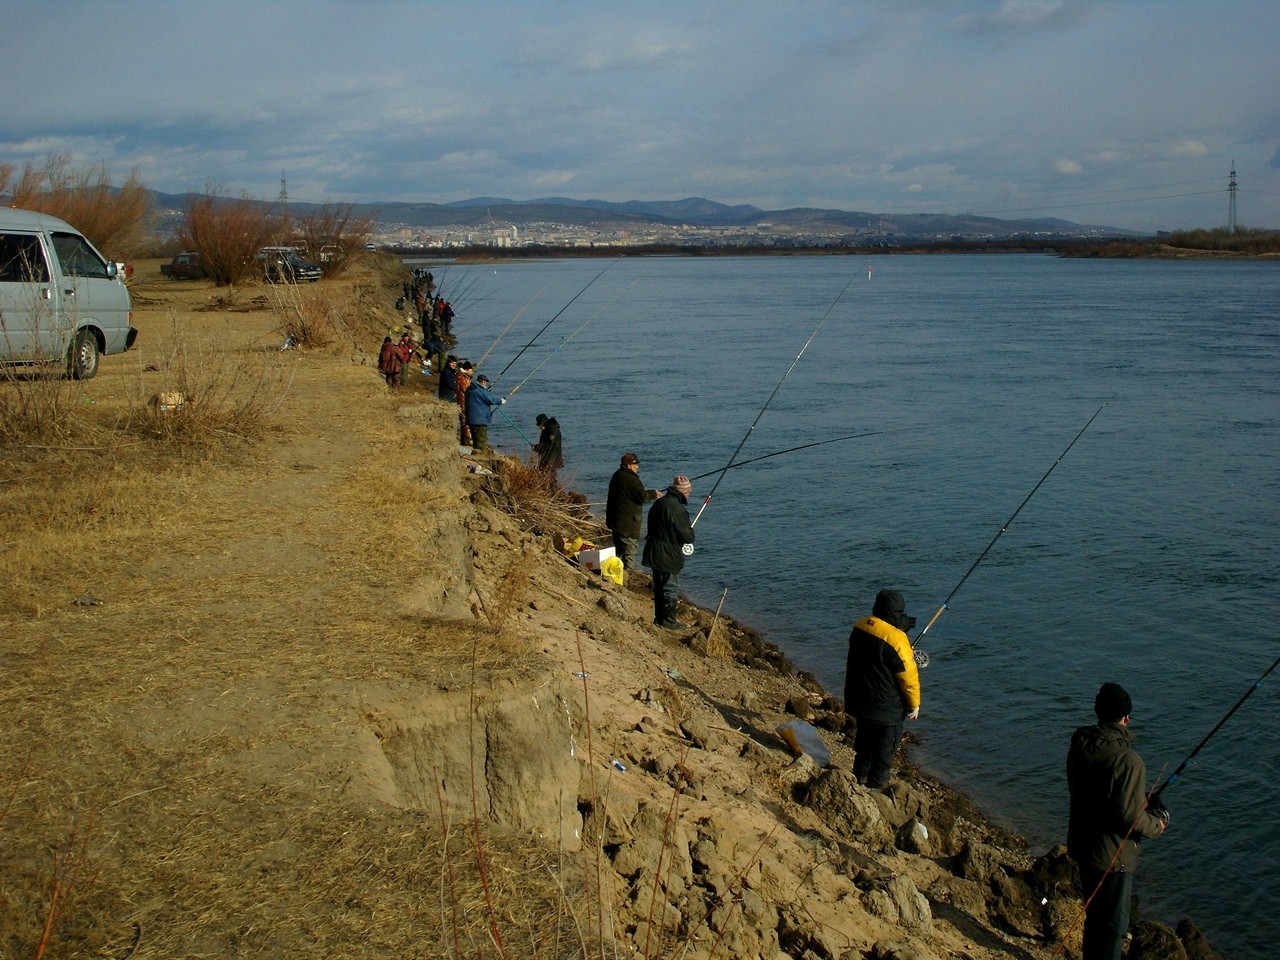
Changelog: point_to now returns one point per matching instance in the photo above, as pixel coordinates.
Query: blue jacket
(480, 404)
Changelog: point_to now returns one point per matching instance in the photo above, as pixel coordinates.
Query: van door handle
(70, 292)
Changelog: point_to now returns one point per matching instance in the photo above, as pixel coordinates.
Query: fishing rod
(1218, 726)
(747, 435)
(923, 658)
(803, 446)
(553, 320)
(570, 337)
(513, 423)
(503, 332)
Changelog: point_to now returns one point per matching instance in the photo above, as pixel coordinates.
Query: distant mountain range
(695, 212)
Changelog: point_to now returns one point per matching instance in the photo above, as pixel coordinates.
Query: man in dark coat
(549, 448)
(625, 509)
(447, 386)
(881, 686)
(1109, 814)
(670, 531)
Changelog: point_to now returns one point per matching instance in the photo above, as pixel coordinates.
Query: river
(1149, 556)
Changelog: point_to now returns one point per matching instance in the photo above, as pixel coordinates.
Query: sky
(1126, 113)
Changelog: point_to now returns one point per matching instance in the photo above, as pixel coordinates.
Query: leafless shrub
(209, 395)
(531, 494)
(117, 221)
(311, 321)
(228, 235)
(334, 236)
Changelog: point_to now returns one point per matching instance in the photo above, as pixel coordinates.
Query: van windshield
(78, 259)
(22, 259)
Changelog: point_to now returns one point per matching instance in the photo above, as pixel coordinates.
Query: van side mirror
(113, 269)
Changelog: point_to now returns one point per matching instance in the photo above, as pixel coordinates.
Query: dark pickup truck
(185, 266)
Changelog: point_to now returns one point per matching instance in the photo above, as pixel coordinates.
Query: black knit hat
(1112, 703)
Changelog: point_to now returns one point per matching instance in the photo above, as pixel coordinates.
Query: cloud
(1188, 148)
(1070, 168)
(1020, 16)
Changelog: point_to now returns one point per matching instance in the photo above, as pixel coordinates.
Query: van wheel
(83, 360)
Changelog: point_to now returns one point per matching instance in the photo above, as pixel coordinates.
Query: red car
(185, 266)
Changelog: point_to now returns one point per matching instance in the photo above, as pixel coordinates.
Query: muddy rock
(1154, 941)
(848, 809)
(1195, 942)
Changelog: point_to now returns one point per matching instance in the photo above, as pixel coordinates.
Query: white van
(60, 299)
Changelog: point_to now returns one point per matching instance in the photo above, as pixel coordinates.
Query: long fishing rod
(778, 453)
(503, 332)
(922, 658)
(576, 331)
(1218, 726)
(745, 436)
(553, 320)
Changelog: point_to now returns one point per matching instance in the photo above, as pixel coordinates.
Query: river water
(1149, 556)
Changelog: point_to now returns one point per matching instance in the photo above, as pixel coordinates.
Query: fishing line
(503, 332)
(741, 443)
(551, 321)
(570, 337)
(922, 658)
(803, 446)
(1225, 717)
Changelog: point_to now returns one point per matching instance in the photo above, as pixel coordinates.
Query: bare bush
(334, 236)
(38, 405)
(308, 320)
(228, 235)
(116, 220)
(209, 395)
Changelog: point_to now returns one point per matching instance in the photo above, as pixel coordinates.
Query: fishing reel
(921, 658)
(687, 549)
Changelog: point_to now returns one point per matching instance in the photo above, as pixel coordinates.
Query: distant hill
(695, 212)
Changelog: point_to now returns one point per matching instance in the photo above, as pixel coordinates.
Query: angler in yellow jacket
(881, 686)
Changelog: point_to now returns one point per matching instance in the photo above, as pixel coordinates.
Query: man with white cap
(670, 530)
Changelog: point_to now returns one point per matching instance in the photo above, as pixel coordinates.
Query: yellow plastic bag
(612, 568)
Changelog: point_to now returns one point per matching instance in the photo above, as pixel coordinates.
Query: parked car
(60, 299)
(185, 266)
(283, 265)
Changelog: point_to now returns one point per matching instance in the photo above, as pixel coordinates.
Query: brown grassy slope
(260, 741)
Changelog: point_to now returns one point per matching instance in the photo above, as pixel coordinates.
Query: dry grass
(184, 626)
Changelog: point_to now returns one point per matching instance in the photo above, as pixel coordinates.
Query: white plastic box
(592, 559)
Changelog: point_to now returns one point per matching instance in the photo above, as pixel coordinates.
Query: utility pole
(1231, 200)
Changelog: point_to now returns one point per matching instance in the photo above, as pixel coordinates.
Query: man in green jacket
(1110, 811)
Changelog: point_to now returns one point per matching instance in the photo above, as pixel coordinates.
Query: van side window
(22, 259)
(78, 259)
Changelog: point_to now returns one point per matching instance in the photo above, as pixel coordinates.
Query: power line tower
(1231, 200)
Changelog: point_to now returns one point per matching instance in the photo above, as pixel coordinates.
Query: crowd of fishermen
(1109, 810)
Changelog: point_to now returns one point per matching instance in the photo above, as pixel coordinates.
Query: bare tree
(334, 236)
(228, 235)
(118, 220)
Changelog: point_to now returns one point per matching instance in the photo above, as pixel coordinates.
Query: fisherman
(389, 363)
(1109, 814)
(462, 382)
(881, 686)
(480, 404)
(670, 530)
(447, 385)
(406, 348)
(549, 447)
(625, 509)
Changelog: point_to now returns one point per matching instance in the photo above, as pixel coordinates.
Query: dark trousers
(873, 747)
(479, 436)
(1106, 919)
(627, 549)
(666, 594)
